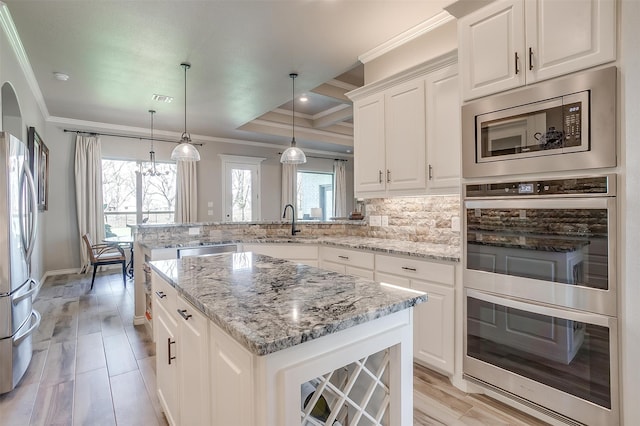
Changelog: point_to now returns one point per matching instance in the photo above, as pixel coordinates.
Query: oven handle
(534, 202)
(542, 309)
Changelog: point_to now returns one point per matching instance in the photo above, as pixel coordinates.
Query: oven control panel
(575, 186)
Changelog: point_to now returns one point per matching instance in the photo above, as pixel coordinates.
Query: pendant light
(185, 151)
(293, 154)
(152, 171)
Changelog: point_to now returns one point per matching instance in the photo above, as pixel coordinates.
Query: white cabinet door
(491, 49)
(193, 355)
(434, 326)
(443, 130)
(232, 398)
(167, 364)
(405, 144)
(565, 36)
(368, 144)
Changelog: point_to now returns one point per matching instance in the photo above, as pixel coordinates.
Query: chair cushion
(109, 256)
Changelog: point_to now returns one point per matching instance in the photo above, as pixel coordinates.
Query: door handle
(160, 294)
(32, 289)
(388, 175)
(169, 343)
(343, 257)
(28, 245)
(516, 63)
(406, 268)
(183, 313)
(379, 176)
(430, 172)
(530, 58)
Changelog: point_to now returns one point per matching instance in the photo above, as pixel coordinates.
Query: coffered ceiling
(119, 53)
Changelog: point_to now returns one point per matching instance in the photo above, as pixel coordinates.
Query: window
(315, 195)
(129, 197)
(241, 189)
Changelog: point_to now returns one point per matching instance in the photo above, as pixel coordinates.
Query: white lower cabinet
(182, 357)
(433, 321)
(231, 381)
(344, 261)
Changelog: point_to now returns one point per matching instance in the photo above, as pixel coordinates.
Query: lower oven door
(558, 360)
(15, 354)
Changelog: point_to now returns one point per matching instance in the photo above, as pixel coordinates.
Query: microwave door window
(504, 137)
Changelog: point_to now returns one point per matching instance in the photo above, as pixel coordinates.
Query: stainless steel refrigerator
(18, 225)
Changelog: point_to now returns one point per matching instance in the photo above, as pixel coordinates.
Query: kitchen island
(244, 338)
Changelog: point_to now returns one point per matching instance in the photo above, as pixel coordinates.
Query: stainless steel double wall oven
(540, 247)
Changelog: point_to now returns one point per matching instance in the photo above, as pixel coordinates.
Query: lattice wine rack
(356, 394)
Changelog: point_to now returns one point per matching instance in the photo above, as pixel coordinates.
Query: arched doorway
(11, 116)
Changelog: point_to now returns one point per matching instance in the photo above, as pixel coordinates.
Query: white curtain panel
(289, 186)
(88, 175)
(186, 192)
(340, 194)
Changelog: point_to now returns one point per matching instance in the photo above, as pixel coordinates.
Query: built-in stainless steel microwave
(563, 124)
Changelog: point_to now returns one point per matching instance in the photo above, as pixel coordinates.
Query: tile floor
(91, 366)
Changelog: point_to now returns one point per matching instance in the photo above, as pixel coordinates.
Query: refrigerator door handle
(29, 293)
(28, 246)
(34, 326)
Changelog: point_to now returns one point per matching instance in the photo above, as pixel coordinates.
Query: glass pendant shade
(293, 154)
(185, 151)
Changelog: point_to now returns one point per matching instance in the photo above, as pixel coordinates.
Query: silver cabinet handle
(430, 172)
(183, 313)
(388, 175)
(160, 294)
(406, 268)
(379, 176)
(344, 257)
(516, 63)
(169, 343)
(530, 59)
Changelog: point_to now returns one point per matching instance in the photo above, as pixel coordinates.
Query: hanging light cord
(293, 76)
(185, 135)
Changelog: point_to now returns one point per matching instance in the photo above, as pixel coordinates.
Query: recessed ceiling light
(303, 98)
(162, 98)
(61, 76)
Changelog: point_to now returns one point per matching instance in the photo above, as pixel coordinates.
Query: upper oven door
(555, 250)
(554, 126)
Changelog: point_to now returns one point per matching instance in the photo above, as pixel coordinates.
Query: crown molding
(6, 21)
(407, 36)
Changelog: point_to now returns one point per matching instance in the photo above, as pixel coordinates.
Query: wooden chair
(105, 254)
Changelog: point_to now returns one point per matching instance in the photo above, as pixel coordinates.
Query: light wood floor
(91, 366)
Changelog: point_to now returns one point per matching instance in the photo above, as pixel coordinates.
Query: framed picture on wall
(39, 163)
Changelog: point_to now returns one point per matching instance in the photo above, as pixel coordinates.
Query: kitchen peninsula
(240, 336)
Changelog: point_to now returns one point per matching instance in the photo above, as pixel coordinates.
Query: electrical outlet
(375, 220)
(384, 221)
(209, 203)
(455, 223)
(194, 231)
(210, 212)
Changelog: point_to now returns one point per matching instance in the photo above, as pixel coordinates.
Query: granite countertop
(380, 245)
(270, 304)
(356, 222)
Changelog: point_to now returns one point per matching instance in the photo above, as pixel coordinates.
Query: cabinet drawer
(416, 269)
(354, 258)
(163, 294)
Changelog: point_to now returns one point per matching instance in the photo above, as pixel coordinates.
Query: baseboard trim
(139, 320)
(59, 272)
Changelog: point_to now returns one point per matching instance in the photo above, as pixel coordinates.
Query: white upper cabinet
(443, 130)
(510, 43)
(407, 132)
(491, 46)
(368, 143)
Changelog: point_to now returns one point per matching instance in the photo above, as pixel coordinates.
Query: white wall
(11, 72)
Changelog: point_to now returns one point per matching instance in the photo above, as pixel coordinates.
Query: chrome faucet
(294, 231)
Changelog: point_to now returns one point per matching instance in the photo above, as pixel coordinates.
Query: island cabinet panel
(193, 365)
(166, 331)
(307, 254)
(352, 262)
(434, 321)
(231, 381)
